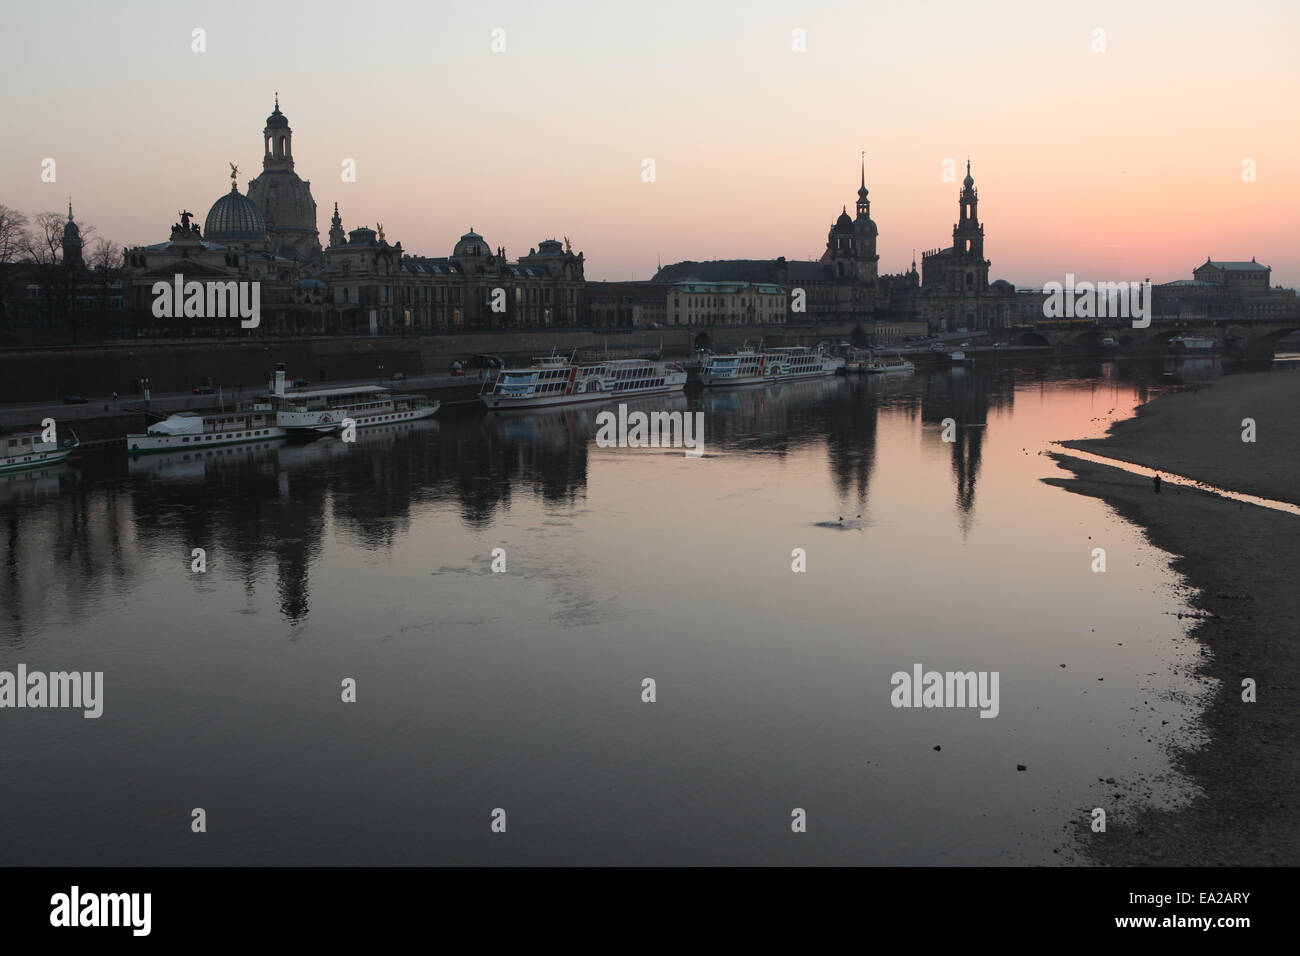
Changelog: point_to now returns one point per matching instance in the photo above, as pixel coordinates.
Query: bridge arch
(1030, 338)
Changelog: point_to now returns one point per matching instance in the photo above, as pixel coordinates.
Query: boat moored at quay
(28, 449)
(748, 367)
(185, 430)
(801, 362)
(555, 380)
(284, 413)
(1193, 345)
(324, 410)
(745, 367)
(878, 366)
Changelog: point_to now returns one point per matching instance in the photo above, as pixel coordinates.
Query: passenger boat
(1195, 344)
(323, 410)
(185, 430)
(857, 361)
(23, 450)
(556, 380)
(880, 365)
(745, 367)
(799, 362)
(320, 411)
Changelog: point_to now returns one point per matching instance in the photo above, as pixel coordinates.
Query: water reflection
(328, 559)
(74, 531)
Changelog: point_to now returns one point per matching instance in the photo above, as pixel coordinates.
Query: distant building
(726, 303)
(628, 304)
(844, 286)
(374, 285)
(1224, 289)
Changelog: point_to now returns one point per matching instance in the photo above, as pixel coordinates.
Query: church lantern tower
(283, 197)
(865, 233)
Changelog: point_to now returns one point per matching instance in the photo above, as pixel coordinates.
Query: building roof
(725, 288)
(234, 218)
(745, 270)
(1235, 266)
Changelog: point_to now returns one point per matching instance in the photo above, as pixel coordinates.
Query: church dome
(234, 218)
(844, 223)
(277, 120)
(471, 244)
(865, 227)
(550, 247)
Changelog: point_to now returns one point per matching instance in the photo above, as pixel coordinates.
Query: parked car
(74, 400)
(485, 361)
(399, 376)
(938, 347)
(204, 390)
(300, 383)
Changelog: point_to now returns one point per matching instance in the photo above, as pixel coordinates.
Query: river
(523, 690)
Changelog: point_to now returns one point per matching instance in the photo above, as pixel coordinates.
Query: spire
(69, 209)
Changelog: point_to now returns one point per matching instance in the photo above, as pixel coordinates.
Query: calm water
(522, 690)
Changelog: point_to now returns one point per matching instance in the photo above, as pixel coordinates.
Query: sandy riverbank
(1245, 560)
(1197, 433)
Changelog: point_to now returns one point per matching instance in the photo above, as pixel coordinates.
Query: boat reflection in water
(1193, 369)
(36, 484)
(564, 424)
(199, 465)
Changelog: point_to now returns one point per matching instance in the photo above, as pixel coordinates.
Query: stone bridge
(1252, 340)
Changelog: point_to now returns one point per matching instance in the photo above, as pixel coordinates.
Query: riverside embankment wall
(40, 374)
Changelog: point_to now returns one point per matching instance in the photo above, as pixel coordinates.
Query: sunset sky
(1122, 164)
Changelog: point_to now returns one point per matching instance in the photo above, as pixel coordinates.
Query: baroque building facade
(951, 291)
(358, 283)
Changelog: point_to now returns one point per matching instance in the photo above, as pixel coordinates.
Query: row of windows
(715, 301)
(202, 438)
(639, 383)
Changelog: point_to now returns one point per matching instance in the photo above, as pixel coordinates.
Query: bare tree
(43, 250)
(105, 262)
(13, 236)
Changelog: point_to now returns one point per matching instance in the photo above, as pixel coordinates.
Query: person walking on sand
(1156, 481)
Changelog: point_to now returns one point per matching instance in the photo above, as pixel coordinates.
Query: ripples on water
(522, 690)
